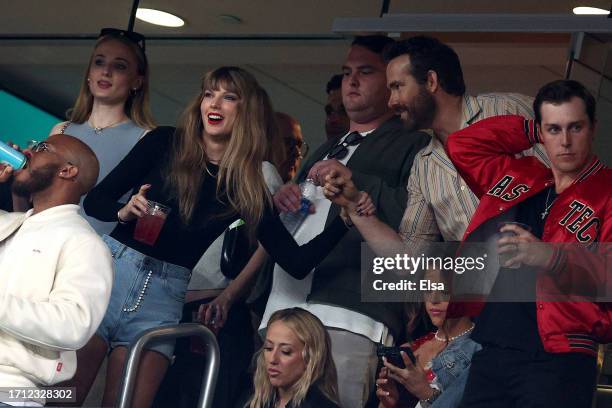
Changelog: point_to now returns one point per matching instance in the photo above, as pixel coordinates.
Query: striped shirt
(440, 204)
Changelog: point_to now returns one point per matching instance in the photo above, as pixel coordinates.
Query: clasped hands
(339, 188)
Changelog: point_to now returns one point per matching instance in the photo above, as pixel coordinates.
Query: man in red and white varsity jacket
(541, 353)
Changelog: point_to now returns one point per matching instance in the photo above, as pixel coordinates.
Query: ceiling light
(590, 10)
(159, 17)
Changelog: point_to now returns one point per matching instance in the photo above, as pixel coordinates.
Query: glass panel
(21, 121)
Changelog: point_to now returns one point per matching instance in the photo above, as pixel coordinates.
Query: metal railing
(209, 379)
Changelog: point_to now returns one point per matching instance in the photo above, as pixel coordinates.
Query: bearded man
(56, 271)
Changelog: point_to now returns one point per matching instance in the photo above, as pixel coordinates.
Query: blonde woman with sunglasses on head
(112, 112)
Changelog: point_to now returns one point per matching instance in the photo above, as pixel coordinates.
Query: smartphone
(393, 355)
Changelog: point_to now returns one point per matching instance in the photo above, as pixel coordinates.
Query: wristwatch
(428, 401)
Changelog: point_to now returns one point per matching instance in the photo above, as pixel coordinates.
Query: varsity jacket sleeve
(584, 273)
(482, 151)
(72, 312)
(586, 270)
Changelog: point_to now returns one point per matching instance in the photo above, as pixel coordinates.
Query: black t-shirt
(514, 324)
(183, 244)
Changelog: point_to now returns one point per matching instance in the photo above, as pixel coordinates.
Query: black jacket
(380, 165)
(314, 399)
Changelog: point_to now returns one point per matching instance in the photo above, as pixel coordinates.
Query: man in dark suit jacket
(378, 158)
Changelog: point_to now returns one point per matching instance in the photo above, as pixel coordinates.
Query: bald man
(291, 133)
(56, 272)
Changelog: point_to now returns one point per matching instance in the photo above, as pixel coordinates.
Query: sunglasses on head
(40, 147)
(133, 36)
(340, 151)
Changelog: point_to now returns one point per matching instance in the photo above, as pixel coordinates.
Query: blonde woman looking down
(295, 368)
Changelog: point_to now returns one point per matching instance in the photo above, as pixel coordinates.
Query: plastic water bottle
(293, 221)
(12, 157)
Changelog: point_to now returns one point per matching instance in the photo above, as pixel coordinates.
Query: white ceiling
(287, 44)
(493, 6)
(259, 16)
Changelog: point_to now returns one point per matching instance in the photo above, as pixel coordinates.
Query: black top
(514, 324)
(182, 244)
(314, 399)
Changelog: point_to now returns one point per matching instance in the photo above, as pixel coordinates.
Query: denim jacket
(452, 367)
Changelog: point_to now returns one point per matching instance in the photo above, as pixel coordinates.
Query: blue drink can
(12, 157)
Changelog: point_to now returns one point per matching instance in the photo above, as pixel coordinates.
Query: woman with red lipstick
(443, 357)
(111, 112)
(208, 171)
(295, 368)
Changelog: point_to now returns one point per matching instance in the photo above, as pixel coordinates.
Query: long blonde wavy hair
(320, 368)
(240, 179)
(137, 104)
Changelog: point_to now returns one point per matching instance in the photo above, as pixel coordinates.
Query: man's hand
(340, 190)
(5, 173)
(521, 248)
(287, 198)
(322, 168)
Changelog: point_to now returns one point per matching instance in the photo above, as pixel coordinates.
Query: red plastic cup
(148, 226)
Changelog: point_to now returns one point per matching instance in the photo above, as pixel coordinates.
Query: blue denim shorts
(147, 293)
